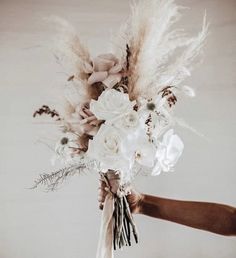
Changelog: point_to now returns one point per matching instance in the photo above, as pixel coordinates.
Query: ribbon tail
(105, 243)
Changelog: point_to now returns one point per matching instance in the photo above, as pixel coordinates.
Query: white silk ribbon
(105, 243)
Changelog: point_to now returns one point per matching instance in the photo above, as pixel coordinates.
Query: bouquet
(117, 116)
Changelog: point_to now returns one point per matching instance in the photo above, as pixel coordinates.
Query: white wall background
(65, 224)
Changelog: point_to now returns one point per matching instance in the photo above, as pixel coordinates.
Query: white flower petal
(188, 91)
(106, 147)
(168, 152)
(111, 104)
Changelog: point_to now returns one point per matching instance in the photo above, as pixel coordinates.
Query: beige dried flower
(104, 68)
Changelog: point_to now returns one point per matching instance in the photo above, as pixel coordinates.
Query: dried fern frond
(51, 181)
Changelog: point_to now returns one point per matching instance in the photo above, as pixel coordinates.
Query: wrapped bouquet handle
(117, 224)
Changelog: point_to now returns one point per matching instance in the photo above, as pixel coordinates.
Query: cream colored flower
(168, 152)
(106, 147)
(154, 116)
(83, 121)
(128, 123)
(138, 148)
(111, 104)
(66, 148)
(104, 68)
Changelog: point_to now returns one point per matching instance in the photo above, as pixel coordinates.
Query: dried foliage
(47, 111)
(71, 78)
(153, 42)
(69, 45)
(169, 95)
(51, 181)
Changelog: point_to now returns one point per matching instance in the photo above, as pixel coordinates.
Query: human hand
(134, 198)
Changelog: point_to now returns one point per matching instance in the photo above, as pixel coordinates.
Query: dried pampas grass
(152, 45)
(68, 46)
(154, 56)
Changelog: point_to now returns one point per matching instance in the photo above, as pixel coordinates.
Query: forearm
(216, 218)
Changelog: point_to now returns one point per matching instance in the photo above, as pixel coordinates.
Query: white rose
(111, 104)
(106, 147)
(129, 122)
(168, 153)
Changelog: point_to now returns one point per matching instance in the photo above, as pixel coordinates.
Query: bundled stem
(123, 221)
